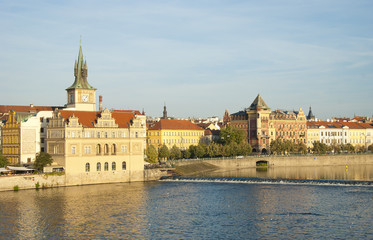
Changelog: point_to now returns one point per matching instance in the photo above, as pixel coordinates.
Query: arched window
(106, 166)
(98, 167)
(113, 166)
(87, 167)
(106, 149)
(98, 149)
(113, 149)
(124, 165)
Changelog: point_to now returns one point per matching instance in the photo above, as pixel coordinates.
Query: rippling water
(188, 210)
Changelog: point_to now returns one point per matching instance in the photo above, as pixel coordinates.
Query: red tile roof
(7, 108)
(163, 124)
(88, 119)
(350, 125)
(129, 111)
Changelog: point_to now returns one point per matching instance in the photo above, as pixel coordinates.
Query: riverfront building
(261, 125)
(95, 146)
(170, 132)
(24, 135)
(337, 133)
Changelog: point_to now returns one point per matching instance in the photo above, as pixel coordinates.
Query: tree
(175, 152)
(349, 148)
(3, 161)
(319, 147)
(213, 150)
(151, 153)
(163, 153)
(277, 146)
(186, 153)
(201, 150)
(230, 134)
(42, 159)
(244, 149)
(301, 148)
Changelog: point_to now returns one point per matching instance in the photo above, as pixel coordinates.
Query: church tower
(164, 112)
(80, 95)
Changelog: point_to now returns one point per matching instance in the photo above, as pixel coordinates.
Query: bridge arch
(262, 163)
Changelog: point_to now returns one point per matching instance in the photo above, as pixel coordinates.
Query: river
(192, 210)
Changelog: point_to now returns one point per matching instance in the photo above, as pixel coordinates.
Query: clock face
(85, 98)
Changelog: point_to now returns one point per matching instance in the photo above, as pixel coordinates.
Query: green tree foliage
(3, 161)
(348, 147)
(187, 154)
(42, 159)
(213, 150)
(175, 152)
(164, 153)
(277, 146)
(319, 147)
(360, 149)
(152, 154)
(301, 148)
(230, 134)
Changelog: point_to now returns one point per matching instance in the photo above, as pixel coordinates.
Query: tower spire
(80, 72)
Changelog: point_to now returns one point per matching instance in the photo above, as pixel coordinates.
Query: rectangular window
(73, 150)
(41, 130)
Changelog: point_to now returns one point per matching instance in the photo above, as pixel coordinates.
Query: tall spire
(80, 72)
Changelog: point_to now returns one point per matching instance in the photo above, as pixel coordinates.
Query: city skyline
(199, 58)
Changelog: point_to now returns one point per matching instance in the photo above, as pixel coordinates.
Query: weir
(269, 181)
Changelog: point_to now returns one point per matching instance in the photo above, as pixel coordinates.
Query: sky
(198, 57)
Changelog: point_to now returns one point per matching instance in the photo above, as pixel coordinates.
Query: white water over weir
(270, 181)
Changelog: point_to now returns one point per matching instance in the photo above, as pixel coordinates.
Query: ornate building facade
(262, 126)
(95, 146)
(11, 139)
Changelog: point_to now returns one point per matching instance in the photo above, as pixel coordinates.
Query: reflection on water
(351, 172)
(85, 211)
(188, 210)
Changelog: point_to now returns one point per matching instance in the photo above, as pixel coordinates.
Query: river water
(196, 209)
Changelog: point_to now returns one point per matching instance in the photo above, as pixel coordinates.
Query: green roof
(80, 73)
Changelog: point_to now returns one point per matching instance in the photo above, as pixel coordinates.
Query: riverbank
(40, 181)
(194, 167)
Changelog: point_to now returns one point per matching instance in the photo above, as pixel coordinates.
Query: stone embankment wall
(153, 174)
(280, 161)
(30, 181)
(33, 181)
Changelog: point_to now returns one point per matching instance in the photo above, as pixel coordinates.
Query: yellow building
(95, 146)
(357, 134)
(313, 134)
(170, 132)
(11, 139)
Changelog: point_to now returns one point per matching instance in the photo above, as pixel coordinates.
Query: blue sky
(200, 57)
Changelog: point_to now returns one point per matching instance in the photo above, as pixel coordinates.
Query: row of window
(105, 149)
(10, 139)
(106, 166)
(178, 133)
(91, 134)
(10, 150)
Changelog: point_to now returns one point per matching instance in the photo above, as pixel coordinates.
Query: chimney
(100, 103)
